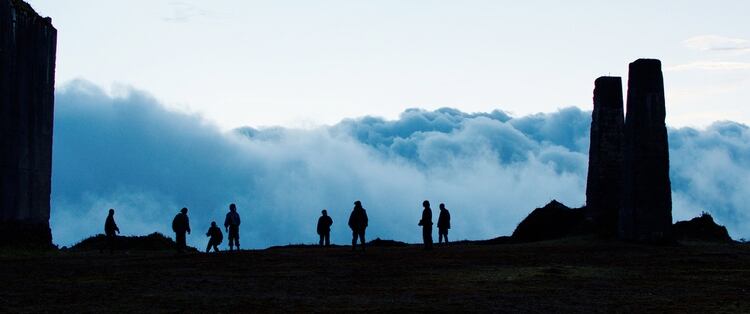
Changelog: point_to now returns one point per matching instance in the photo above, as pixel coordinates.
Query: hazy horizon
(131, 153)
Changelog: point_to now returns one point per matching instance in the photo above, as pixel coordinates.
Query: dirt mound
(152, 242)
(552, 221)
(300, 246)
(386, 243)
(702, 228)
(493, 241)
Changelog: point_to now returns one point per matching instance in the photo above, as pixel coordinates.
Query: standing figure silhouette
(110, 228)
(358, 224)
(443, 224)
(181, 225)
(426, 223)
(232, 225)
(324, 228)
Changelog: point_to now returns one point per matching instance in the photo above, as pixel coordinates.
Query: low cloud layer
(490, 169)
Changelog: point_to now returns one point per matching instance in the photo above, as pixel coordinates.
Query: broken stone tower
(27, 78)
(604, 182)
(646, 212)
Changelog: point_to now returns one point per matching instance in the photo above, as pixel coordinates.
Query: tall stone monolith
(646, 212)
(27, 78)
(604, 182)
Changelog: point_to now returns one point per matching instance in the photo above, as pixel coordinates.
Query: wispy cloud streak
(710, 66)
(718, 43)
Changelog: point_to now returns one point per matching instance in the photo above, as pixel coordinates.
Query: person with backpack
(181, 225)
(443, 224)
(215, 237)
(358, 224)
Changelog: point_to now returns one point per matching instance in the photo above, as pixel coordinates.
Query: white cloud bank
(490, 169)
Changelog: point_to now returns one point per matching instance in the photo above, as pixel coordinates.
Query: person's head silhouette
(111, 211)
(213, 224)
(442, 206)
(183, 210)
(357, 204)
(324, 212)
(426, 204)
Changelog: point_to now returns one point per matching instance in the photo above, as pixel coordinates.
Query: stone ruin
(646, 212)
(628, 191)
(604, 182)
(27, 78)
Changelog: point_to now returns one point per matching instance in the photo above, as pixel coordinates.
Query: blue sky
(306, 63)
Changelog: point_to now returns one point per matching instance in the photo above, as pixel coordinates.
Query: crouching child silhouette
(215, 237)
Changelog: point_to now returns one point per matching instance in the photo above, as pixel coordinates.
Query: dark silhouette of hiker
(426, 223)
(110, 228)
(181, 225)
(358, 224)
(215, 237)
(324, 228)
(232, 225)
(443, 224)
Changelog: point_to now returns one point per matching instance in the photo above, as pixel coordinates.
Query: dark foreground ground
(578, 275)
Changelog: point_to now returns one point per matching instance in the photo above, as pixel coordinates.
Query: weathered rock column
(646, 212)
(27, 78)
(604, 182)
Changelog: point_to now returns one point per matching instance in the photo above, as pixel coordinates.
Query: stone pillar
(27, 78)
(604, 182)
(646, 212)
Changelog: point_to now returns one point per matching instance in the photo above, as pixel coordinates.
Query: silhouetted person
(358, 224)
(110, 228)
(215, 237)
(324, 228)
(443, 224)
(232, 225)
(181, 225)
(426, 223)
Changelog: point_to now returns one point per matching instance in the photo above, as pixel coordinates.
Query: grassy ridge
(571, 275)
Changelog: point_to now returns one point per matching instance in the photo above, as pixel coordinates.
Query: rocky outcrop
(27, 76)
(552, 221)
(646, 212)
(702, 228)
(604, 182)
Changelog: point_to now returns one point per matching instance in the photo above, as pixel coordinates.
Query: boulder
(552, 221)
